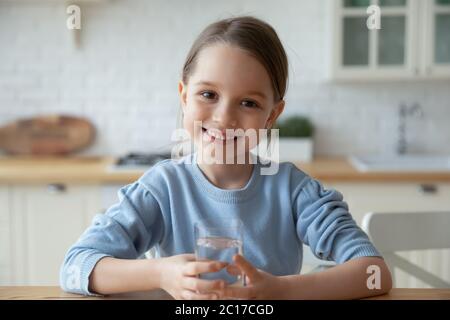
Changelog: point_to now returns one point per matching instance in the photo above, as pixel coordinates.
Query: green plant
(295, 126)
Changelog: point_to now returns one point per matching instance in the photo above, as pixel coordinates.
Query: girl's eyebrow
(253, 92)
(207, 83)
(257, 93)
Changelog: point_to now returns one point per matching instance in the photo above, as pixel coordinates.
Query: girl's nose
(225, 115)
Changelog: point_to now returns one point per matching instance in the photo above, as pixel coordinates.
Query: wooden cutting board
(46, 135)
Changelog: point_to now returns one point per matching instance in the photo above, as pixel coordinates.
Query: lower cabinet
(5, 235)
(43, 222)
(393, 197)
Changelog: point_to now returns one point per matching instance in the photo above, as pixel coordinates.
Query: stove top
(139, 161)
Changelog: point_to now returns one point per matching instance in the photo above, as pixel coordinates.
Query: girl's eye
(249, 104)
(208, 95)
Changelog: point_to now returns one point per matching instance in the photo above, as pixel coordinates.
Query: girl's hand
(179, 278)
(260, 285)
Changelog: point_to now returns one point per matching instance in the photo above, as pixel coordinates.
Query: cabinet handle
(428, 189)
(56, 188)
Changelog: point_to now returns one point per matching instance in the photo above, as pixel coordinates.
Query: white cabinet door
(47, 220)
(5, 234)
(413, 41)
(436, 34)
(393, 197)
(360, 52)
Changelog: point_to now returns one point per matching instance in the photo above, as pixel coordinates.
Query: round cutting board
(46, 135)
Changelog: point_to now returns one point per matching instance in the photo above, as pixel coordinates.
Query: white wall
(124, 78)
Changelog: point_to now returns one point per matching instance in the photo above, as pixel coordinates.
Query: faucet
(405, 111)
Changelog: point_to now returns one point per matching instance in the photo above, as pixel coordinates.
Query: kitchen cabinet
(413, 42)
(5, 250)
(393, 197)
(436, 50)
(45, 220)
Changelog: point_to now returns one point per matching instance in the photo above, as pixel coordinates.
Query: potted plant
(296, 139)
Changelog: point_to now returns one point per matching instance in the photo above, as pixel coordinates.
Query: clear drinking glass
(220, 241)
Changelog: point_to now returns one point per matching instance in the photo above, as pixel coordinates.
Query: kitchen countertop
(85, 170)
(94, 170)
(55, 293)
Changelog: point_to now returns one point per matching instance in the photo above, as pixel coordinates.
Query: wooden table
(55, 293)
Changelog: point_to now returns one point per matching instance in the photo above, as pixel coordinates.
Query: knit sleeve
(323, 222)
(127, 230)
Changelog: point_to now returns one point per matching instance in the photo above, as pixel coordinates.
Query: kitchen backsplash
(124, 76)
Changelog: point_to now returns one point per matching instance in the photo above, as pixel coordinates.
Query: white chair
(391, 232)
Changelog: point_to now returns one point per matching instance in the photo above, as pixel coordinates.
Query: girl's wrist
(286, 285)
(154, 273)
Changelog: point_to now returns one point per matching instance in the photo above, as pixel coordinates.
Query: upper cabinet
(438, 39)
(413, 41)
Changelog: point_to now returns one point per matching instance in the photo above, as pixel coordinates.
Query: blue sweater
(279, 212)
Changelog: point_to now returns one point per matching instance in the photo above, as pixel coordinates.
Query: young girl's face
(228, 89)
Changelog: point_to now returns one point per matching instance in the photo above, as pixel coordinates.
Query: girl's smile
(218, 135)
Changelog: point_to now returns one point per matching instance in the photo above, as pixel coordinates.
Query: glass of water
(220, 241)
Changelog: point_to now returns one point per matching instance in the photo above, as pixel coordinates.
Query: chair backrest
(408, 231)
(391, 232)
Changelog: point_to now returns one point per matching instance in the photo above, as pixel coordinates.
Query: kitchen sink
(410, 163)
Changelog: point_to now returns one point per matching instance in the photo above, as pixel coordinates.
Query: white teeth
(218, 135)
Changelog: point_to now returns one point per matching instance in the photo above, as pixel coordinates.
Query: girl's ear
(275, 113)
(182, 92)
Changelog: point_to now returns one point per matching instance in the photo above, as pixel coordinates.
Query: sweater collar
(225, 195)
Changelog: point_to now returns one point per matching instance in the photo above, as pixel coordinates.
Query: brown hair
(251, 34)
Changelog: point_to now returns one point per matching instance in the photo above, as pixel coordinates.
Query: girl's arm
(345, 281)
(126, 231)
(178, 275)
(112, 275)
(105, 259)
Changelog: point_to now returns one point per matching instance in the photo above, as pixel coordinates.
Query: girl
(234, 77)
